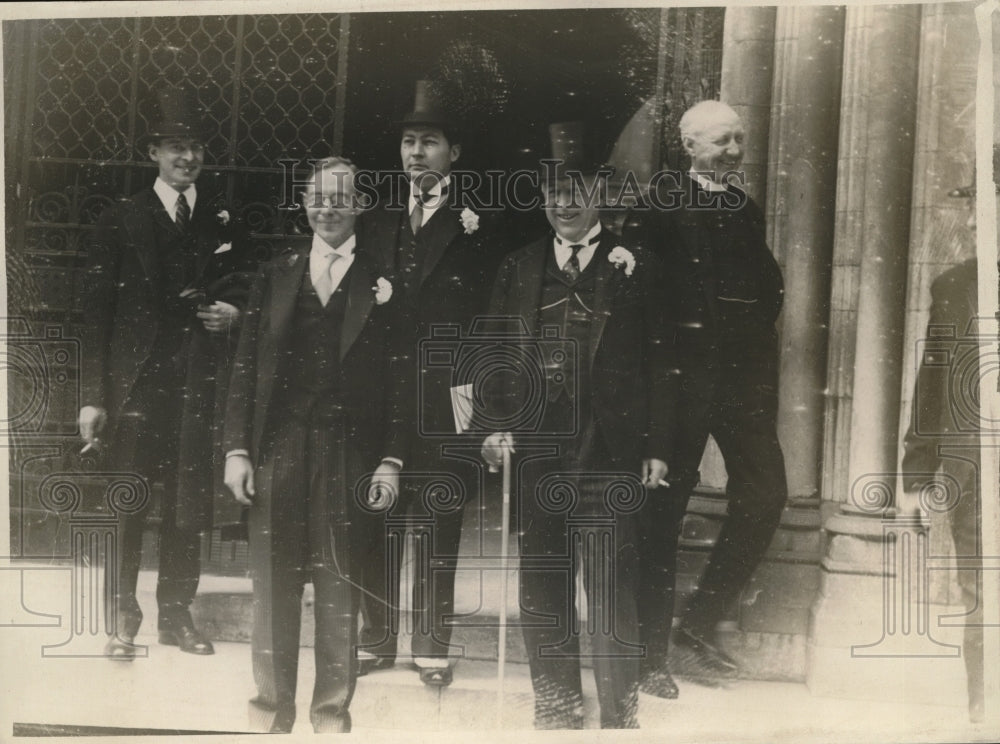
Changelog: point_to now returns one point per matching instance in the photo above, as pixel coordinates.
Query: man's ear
(151, 149)
(456, 151)
(688, 143)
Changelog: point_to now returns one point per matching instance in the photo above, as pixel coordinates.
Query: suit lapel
(203, 225)
(284, 291)
(608, 277)
(140, 226)
(379, 234)
(529, 282)
(440, 229)
(360, 300)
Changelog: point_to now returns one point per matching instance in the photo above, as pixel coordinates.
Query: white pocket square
(224, 247)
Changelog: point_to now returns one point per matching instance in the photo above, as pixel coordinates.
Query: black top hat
(177, 113)
(970, 189)
(428, 108)
(575, 149)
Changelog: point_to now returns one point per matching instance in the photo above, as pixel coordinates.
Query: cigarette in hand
(663, 483)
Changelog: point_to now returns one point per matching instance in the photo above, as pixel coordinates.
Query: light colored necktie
(417, 215)
(324, 284)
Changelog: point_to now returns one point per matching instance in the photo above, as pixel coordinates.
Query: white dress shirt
(319, 260)
(168, 196)
(433, 200)
(589, 242)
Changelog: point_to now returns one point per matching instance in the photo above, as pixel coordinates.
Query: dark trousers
(146, 443)
(434, 516)
(568, 522)
(742, 417)
(301, 528)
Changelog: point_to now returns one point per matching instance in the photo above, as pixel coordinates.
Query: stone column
(802, 196)
(747, 61)
(852, 651)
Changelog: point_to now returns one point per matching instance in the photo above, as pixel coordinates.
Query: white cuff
(235, 452)
(394, 460)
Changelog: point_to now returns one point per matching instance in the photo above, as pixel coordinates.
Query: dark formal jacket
(680, 234)
(632, 369)
(452, 288)
(374, 358)
(123, 309)
(945, 397)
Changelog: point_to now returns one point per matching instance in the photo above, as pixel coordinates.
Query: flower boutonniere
(620, 257)
(470, 221)
(383, 290)
(222, 217)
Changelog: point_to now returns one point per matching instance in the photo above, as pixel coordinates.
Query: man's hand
(384, 488)
(218, 317)
(653, 471)
(239, 478)
(493, 448)
(92, 420)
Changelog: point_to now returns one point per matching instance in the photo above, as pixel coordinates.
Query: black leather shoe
(435, 676)
(187, 638)
(120, 647)
(374, 664)
(658, 682)
(701, 658)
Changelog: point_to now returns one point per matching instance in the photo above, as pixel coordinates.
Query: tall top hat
(575, 147)
(428, 108)
(970, 189)
(177, 113)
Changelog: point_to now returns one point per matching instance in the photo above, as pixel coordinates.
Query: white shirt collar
(707, 183)
(168, 196)
(345, 250)
(435, 199)
(589, 241)
(319, 259)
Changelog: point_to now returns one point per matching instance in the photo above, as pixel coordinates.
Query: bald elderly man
(725, 293)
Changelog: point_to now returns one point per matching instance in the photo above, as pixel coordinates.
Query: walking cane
(504, 580)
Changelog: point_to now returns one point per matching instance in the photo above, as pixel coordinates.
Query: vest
(569, 307)
(309, 373)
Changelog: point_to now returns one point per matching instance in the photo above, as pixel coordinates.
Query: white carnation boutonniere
(621, 257)
(383, 290)
(223, 217)
(470, 221)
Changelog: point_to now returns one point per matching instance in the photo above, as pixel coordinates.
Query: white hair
(703, 114)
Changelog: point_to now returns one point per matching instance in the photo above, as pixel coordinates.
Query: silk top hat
(428, 108)
(177, 113)
(970, 189)
(575, 150)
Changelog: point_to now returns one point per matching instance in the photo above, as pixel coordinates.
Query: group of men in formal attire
(300, 383)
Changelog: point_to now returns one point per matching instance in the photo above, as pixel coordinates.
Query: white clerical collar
(589, 239)
(344, 250)
(168, 196)
(707, 183)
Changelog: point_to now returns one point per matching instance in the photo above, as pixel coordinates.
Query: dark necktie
(183, 217)
(572, 267)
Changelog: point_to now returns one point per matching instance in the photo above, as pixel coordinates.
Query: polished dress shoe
(187, 638)
(658, 682)
(434, 676)
(374, 664)
(120, 647)
(700, 658)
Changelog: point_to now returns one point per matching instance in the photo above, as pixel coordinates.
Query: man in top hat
(315, 404)
(593, 313)
(167, 275)
(725, 292)
(443, 256)
(941, 449)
